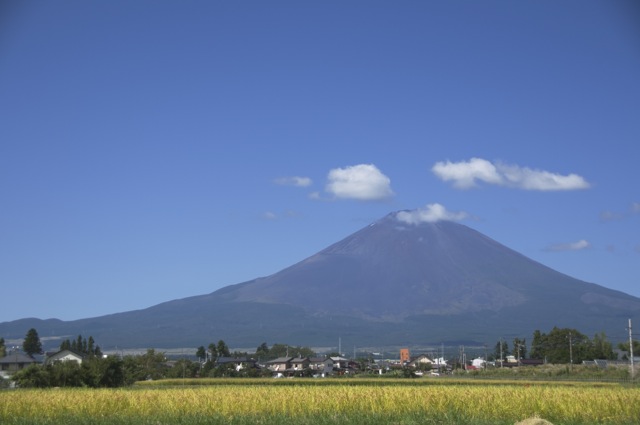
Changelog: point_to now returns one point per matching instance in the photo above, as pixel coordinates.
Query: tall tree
(32, 344)
(91, 349)
(3, 348)
(538, 345)
(223, 349)
(601, 348)
(201, 353)
(262, 351)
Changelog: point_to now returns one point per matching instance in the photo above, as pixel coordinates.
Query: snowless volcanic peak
(400, 266)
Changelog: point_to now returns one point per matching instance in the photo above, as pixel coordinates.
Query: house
(321, 365)
(299, 364)
(13, 362)
(279, 365)
(478, 363)
(340, 362)
(65, 356)
(421, 361)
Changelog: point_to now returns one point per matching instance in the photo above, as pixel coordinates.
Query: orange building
(404, 355)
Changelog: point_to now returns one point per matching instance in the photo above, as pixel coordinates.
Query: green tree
(262, 351)
(32, 344)
(624, 346)
(99, 372)
(201, 352)
(223, 349)
(33, 376)
(183, 368)
(562, 346)
(65, 374)
(82, 345)
(601, 348)
(91, 346)
(153, 364)
(111, 372)
(3, 348)
(537, 345)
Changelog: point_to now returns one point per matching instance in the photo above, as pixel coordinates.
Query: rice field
(311, 402)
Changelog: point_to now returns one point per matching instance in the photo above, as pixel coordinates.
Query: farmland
(345, 401)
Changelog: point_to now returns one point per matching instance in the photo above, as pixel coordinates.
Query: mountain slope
(391, 270)
(391, 283)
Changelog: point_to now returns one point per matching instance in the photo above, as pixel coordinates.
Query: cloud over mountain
(431, 213)
(467, 174)
(364, 182)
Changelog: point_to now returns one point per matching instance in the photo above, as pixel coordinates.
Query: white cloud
(294, 181)
(364, 182)
(429, 214)
(572, 246)
(467, 174)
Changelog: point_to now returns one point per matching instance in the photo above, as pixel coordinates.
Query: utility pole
(486, 357)
(501, 360)
(570, 351)
(631, 349)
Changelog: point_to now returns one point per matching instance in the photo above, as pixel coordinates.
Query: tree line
(563, 345)
(97, 370)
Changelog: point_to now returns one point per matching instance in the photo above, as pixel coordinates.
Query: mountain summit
(396, 281)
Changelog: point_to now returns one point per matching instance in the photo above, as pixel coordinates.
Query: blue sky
(154, 150)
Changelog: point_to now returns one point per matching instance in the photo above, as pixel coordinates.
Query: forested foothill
(562, 351)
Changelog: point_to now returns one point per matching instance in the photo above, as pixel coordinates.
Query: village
(287, 366)
(81, 362)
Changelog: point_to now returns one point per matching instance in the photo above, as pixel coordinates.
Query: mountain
(392, 283)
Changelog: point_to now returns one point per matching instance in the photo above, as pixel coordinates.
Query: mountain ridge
(388, 283)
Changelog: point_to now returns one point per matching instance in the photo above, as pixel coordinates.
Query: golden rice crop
(270, 403)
